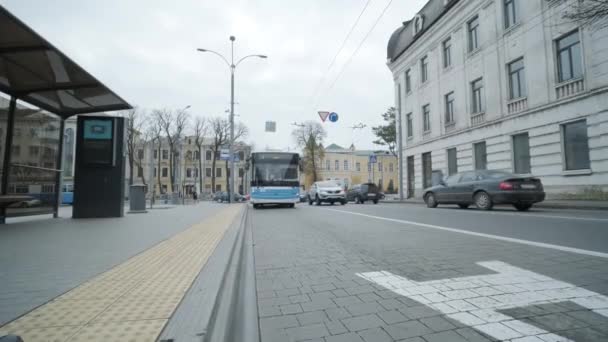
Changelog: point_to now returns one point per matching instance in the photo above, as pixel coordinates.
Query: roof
(34, 71)
(334, 147)
(404, 36)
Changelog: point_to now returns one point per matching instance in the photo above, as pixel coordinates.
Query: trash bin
(137, 198)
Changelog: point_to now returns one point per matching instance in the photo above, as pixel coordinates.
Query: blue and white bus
(275, 178)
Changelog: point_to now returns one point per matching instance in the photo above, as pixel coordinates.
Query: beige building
(349, 166)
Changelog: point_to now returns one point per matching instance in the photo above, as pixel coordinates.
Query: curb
(548, 205)
(221, 304)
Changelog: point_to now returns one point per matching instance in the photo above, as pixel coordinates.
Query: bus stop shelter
(43, 88)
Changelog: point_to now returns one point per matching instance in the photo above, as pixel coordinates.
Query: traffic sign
(373, 159)
(333, 116)
(323, 115)
(224, 154)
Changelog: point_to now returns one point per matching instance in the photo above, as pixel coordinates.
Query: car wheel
(357, 200)
(292, 205)
(309, 200)
(522, 207)
(343, 202)
(375, 201)
(318, 200)
(463, 206)
(430, 200)
(256, 206)
(331, 203)
(483, 200)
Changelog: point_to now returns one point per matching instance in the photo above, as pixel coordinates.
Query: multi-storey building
(502, 84)
(350, 166)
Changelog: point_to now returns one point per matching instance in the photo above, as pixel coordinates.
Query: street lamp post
(232, 67)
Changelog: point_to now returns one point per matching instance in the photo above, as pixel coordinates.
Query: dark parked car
(237, 197)
(484, 188)
(364, 192)
(218, 196)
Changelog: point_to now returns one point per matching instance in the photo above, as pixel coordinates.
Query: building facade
(349, 166)
(502, 84)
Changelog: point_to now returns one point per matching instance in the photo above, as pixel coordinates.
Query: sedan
(485, 188)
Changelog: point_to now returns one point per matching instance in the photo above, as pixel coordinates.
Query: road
(395, 272)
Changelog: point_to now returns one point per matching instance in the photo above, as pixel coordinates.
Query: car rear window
(369, 187)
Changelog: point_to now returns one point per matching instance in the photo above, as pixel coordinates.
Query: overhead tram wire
(359, 47)
(333, 61)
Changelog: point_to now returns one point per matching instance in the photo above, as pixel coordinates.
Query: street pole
(399, 143)
(231, 147)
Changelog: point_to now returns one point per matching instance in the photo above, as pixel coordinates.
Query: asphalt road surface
(395, 272)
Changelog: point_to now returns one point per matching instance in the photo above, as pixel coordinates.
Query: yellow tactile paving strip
(132, 301)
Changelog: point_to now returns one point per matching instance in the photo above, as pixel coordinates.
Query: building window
(189, 155)
(473, 33)
(408, 81)
(521, 153)
(369, 167)
(241, 155)
(208, 154)
(576, 145)
(380, 166)
(140, 171)
(410, 127)
(165, 154)
(208, 172)
(358, 166)
(140, 154)
(569, 61)
(510, 13)
(449, 107)
(517, 79)
(195, 172)
(164, 172)
(218, 172)
(346, 165)
(447, 52)
(424, 69)
(337, 165)
(218, 187)
(390, 167)
(481, 158)
(327, 165)
(16, 150)
(427, 170)
(155, 154)
(477, 101)
(241, 172)
(34, 151)
(452, 161)
(426, 117)
(188, 173)
(197, 155)
(154, 172)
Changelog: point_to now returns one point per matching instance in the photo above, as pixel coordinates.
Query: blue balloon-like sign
(333, 116)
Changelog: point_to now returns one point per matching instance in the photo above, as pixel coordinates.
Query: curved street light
(232, 67)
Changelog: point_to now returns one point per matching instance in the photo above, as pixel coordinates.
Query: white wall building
(502, 84)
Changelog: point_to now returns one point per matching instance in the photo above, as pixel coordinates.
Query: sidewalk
(554, 204)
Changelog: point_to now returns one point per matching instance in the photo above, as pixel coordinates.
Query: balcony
(478, 118)
(450, 126)
(569, 88)
(517, 105)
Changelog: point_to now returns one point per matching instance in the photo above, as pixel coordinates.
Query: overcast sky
(145, 50)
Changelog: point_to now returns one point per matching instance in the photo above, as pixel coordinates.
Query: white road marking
(490, 236)
(481, 312)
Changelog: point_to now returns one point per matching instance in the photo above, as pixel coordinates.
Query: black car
(364, 192)
(484, 188)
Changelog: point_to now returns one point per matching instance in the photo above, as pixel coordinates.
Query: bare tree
(173, 125)
(310, 137)
(200, 131)
(136, 119)
(147, 140)
(156, 132)
(220, 129)
(593, 13)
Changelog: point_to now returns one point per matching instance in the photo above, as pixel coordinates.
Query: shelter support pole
(59, 167)
(8, 149)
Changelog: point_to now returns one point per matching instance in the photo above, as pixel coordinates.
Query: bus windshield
(275, 170)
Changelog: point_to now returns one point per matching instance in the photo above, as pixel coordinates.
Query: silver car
(326, 192)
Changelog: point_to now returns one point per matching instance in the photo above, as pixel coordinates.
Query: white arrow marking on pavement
(490, 236)
(475, 300)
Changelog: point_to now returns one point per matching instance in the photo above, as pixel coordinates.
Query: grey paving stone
(472, 335)
(444, 336)
(336, 327)
(390, 304)
(413, 339)
(313, 317)
(369, 297)
(337, 313)
(268, 310)
(362, 322)
(290, 309)
(375, 335)
(274, 301)
(589, 317)
(271, 335)
(323, 287)
(359, 289)
(407, 301)
(266, 294)
(392, 317)
(344, 301)
(307, 332)
(318, 305)
(299, 298)
(349, 337)
(437, 323)
(340, 293)
(321, 295)
(364, 308)
(279, 322)
(407, 329)
(584, 334)
(556, 322)
(287, 292)
(416, 312)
